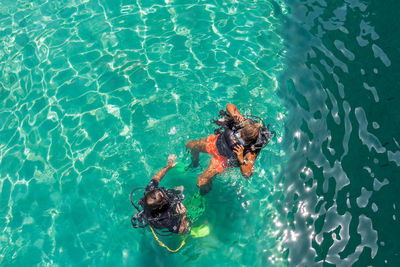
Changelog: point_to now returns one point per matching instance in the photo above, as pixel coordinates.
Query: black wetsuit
(167, 217)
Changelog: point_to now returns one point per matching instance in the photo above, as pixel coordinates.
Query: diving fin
(195, 207)
(200, 231)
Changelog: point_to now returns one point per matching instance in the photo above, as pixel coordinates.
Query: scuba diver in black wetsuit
(236, 144)
(161, 208)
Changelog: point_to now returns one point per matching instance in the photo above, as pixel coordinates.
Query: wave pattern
(342, 133)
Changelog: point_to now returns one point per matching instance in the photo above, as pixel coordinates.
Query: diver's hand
(238, 118)
(171, 161)
(238, 149)
(180, 209)
(161, 173)
(234, 112)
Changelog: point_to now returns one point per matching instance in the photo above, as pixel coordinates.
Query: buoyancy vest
(226, 143)
(228, 130)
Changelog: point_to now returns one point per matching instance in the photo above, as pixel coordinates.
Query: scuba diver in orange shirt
(236, 143)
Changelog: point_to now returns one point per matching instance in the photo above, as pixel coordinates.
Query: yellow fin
(200, 231)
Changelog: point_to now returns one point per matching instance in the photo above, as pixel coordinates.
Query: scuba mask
(239, 140)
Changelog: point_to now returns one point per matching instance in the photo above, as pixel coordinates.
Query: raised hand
(171, 161)
(238, 149)
(180, 209)
(238, 118)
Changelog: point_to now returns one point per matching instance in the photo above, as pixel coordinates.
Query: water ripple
(343, 146)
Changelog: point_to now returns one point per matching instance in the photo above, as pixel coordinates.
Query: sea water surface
(96, 94)
(342, 135)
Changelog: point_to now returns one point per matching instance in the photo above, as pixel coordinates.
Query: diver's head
(155, 199)
(250, 130)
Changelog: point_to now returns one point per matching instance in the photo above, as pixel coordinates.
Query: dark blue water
(343, 132)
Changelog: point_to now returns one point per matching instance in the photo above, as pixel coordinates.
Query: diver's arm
(248, 167)
(180, 209)
(234, 112)
(170, 164)
(246, 162)
(184, 225)
(159, 175)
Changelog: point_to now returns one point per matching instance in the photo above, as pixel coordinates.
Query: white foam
(172, 131)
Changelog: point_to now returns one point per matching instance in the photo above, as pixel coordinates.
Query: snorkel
(238, 139)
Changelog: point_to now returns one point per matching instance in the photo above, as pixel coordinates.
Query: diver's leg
(200, 145)
(204, 179)
(196, 146)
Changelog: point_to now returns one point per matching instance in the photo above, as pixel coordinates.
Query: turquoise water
(96, 94)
